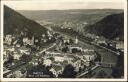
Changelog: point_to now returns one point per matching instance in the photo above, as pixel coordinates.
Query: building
(59, 59)
(51, 54)
(18, 45)
(24, 50)
(77, 65)
(28, 41)
(8, 39)
(75, 47)
(17, 74)
(56, 70)
(120, 45)
(101, 42)
(47, 62)
(76, 40)
(16, 55)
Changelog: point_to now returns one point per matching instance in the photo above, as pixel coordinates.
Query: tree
(10, 58)
(118, 70)
(25, 58)
(65, 49)
(102, 74)
(52, 58)
(75, 50)
(71, 41)
(89, 73)
(98, 58)
(69, 72)
(40, 71)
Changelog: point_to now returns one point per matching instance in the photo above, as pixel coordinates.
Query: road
(88, 71)
(54, 44)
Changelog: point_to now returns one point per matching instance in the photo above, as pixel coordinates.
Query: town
(53, 52)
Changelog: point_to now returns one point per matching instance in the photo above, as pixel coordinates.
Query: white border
(56, 79)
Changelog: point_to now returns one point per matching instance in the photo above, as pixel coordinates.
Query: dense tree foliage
(69, 72)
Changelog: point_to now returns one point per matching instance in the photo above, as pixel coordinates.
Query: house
(43, 35)
(18, 74)
(51, 54)
(49, 34)
(18, 45)
(5, 56)
(89, 35)
(33, 63)
(16, 55)
(77, 65)
(102, 42)
(47, 62)
(26, 41)
(120, 45)
(76, 40)
(8, 39)
(59, 59)
(66, 41)
(89, 57)
(36, 40)
(24, 50)
(11, 49)
(86, 50)
(49, 38)
(75, 47)
(56, 70)
(53, 71)
(44, 40)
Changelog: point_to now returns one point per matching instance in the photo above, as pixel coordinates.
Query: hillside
(15, 23)
(111, 26)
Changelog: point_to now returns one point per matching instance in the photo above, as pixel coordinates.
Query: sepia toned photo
(63, 39)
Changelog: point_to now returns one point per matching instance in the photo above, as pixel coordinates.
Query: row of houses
(15, 52)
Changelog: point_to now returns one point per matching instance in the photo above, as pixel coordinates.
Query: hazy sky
(64, 4)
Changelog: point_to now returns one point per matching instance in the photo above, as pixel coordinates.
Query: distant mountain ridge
(72, 15)
(15, 23)
(111, 26)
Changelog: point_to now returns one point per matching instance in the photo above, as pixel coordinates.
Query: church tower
(76, 40)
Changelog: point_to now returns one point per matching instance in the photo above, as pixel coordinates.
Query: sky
(64, 4)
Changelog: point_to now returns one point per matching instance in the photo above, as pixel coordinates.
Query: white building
(26, 41)
(47, 62)
(51, 54)
(43, 35)
(11, 49)
(8, 39)
(54, 71)
(76, 40)
(18, 74)
(24, 50)
(101, 42)
(61, 58)
(18, 45)
(120, 45)
(16, 55)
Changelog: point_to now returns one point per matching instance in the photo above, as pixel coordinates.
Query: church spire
(76, 40)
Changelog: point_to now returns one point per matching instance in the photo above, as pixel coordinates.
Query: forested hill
(15, 23)
(111, 26)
